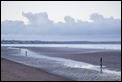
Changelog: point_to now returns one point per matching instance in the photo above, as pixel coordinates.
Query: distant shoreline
(57, 42)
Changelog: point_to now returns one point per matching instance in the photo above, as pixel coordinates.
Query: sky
(61, 20)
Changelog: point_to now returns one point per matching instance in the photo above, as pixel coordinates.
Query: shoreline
(111, 58)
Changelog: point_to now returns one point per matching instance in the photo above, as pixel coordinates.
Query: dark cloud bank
(40, 24)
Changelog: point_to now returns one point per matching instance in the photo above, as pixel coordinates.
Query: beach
(54, 71)
(11, 71)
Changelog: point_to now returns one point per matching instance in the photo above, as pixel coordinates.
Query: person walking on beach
(101, 65)
(26, 53)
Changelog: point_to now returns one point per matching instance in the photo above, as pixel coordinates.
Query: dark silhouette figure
(26, 53)
(101, 65)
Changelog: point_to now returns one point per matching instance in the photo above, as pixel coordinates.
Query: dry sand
(11, 71)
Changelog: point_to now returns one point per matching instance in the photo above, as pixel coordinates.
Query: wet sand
(111, 58)
(11, 71)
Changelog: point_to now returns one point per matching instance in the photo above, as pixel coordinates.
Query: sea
(90, 46)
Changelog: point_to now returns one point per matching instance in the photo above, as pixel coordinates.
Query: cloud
(12, 27)
(96, 17)
(69, 20)
(37, 19)
(102, 25)
(40, 24)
